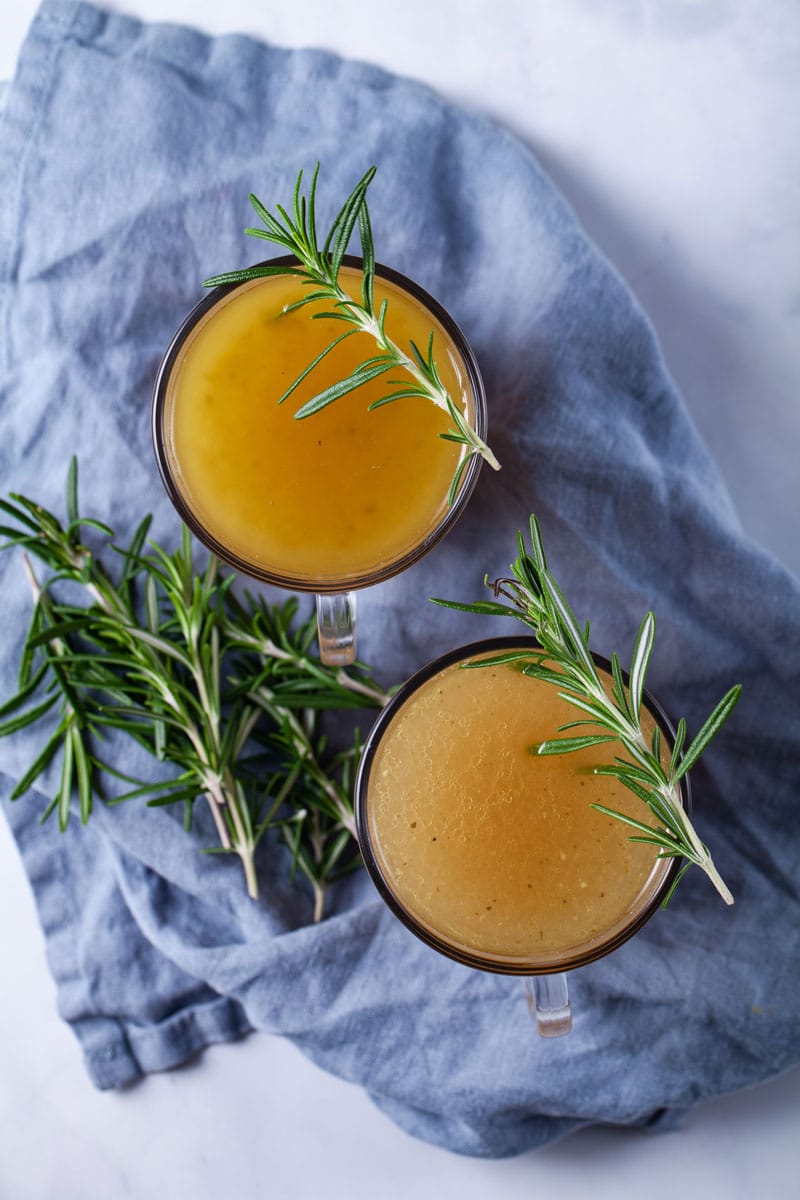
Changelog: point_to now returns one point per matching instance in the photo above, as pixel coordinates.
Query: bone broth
(332, 497)
(492, 849)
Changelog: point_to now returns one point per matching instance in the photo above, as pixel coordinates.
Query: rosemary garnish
(319, 270)
(224, 690)
(565, 661)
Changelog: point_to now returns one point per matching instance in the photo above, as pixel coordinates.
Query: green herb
(223, 689)
(318, 268)
(566, 662)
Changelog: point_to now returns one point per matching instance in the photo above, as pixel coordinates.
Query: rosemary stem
(347, 820)
(439, 395)
(39, 598)
(370, 325)
(362, 689)
(267, 649)
(214, 803)
(243, 843)
(703, 858)
(246, 854)
(670, 793)
(719, 883)
(319, 902)
(304, 749)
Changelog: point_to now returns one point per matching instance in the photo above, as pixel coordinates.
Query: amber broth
(492, 848)
(333, 497)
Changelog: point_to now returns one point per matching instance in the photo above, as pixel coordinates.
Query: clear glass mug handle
(548, 1001)
(336, 628)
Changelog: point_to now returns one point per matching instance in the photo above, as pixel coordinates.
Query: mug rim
(495, 964)
(306, 583)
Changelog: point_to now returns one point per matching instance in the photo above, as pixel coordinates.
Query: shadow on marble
(759, 1109)
(740, 406)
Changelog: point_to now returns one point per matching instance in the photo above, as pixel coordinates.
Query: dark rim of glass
(306, 583)
(495, 964)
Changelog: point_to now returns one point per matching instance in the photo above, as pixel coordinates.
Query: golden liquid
(492, 848)
(330, 498)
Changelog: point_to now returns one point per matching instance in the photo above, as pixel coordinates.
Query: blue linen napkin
(126, 155)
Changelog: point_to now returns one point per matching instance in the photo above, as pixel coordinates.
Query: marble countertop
(672, 127)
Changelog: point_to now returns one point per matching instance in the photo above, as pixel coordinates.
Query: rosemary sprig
(318, 268)
(535, 599)
(225, 691)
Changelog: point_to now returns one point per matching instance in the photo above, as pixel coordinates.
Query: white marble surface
(672, 127)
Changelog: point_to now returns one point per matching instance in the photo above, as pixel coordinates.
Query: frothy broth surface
(492, 848)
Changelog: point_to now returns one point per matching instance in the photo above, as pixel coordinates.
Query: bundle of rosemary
(226, 689)
(223, 688)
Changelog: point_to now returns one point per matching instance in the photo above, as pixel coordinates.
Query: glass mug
(491, 854)
(337, 501)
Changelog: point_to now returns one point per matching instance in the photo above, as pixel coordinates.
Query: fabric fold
(127, 152)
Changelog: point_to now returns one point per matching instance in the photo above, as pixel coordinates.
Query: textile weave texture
(127, 152)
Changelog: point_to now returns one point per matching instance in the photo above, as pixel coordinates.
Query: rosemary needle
(565, 661)
(224, 690)
(318, 268)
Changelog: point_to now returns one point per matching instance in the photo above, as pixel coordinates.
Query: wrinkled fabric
(127, 152)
